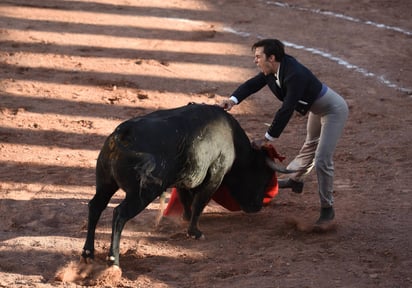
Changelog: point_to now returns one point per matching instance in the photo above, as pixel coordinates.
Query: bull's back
(171, 130)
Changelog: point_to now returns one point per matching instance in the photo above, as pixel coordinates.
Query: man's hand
(227, 104)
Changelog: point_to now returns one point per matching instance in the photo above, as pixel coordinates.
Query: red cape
(223, 197)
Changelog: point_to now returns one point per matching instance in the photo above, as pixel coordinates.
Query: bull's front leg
(200, 200)
(186, 198)
(202, 195)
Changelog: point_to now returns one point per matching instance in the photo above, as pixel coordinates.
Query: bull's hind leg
(135, 202)
(104, 192)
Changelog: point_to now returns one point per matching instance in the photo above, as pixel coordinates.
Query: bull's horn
(277, 167)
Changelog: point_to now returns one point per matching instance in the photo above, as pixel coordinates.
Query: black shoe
(296, 186)
(326, 215)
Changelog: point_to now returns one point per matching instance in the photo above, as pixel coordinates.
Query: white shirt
(277, 77)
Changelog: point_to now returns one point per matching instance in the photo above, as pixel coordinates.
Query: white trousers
(326, 120)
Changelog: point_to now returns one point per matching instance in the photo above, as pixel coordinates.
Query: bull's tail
(145, 163)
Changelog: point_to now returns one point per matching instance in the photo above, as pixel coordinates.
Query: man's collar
(277, 72)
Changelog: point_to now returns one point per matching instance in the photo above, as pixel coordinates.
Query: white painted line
(341, 16)
(315, 51)
(346, 64)
(338, 60)
(233, 31)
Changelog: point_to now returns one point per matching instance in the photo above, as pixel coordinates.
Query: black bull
(194, 148)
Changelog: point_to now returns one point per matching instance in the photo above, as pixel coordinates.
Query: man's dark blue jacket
(299, 88)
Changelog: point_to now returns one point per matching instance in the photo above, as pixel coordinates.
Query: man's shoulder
(290, 60)
(293, 66)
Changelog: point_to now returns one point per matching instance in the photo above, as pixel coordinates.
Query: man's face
(265, 64)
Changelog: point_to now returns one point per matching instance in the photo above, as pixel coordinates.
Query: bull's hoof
(196, 235)
(111, 261)
(87, 257)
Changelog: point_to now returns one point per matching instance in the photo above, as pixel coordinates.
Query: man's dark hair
(271, 47)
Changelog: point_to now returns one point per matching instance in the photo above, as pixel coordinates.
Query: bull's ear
(278, 168)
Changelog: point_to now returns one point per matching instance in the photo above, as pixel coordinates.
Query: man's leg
(304, 161)
(332, 127)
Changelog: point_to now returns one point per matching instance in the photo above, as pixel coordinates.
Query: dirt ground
(72, 70)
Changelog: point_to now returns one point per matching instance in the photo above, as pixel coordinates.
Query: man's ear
(272, 58)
